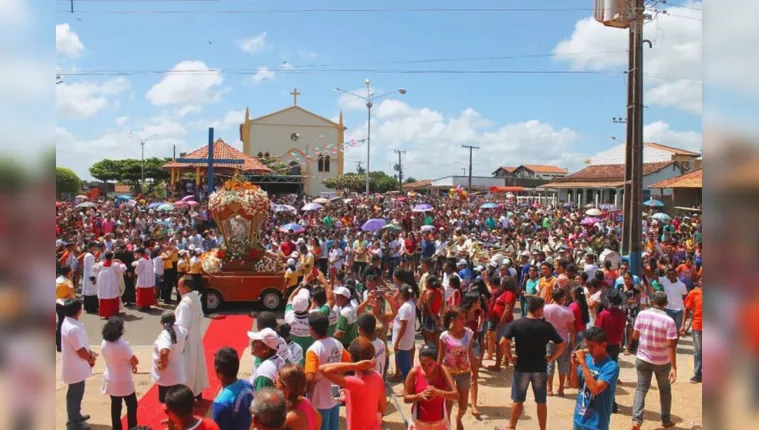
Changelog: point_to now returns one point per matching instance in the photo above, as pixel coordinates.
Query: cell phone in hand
(335, 391)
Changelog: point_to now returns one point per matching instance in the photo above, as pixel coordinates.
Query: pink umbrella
(590, 221)
(186, 198)
(191, 203)
(180, 204)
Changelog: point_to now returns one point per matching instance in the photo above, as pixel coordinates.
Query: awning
(506, 189)
(590, 185)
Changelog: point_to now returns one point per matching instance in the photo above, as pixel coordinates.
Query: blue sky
(515, 118)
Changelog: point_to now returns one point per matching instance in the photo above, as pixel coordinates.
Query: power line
(336, 10)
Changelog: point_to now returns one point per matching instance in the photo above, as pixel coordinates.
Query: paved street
(494, 394)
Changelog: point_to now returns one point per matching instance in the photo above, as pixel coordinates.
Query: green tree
(277, 166)
(409, 180)
(379, 182)
(66, 181)
(129, 170)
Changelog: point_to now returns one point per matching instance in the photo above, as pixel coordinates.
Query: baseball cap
(301, 301)
(525, 253)
(343, 292)
(300, 241)
(493, 264)
(462, 262)
(290, 262)
(268, 336)
(479, 269)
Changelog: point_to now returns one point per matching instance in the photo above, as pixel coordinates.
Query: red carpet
(225, 330)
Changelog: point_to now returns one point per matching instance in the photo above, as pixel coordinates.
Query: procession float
(241, 270)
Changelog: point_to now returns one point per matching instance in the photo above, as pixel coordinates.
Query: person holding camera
(595, 374)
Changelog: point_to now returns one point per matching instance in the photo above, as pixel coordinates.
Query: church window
(320, 163)
(260, 155)
(267, 155)
(326, 163)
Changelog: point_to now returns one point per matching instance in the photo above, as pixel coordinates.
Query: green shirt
(299, 328)
(428, 220)
(332, 315)
(329, 221)
(348, 323)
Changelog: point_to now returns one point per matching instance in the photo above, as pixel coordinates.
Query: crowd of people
(520, 284)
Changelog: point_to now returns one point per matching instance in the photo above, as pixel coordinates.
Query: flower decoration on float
(458, 193)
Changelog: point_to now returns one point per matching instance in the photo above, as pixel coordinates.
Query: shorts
(501, 333)
(522, 380)
(476, 348)
(463, 381)
(428, 324)
(562, 361)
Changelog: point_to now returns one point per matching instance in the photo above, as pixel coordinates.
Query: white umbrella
(593, 212)
(661, 216)
(311, 207)
(321, 201)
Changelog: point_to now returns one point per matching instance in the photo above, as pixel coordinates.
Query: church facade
(310, 143)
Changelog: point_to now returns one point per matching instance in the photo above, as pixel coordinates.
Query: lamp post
(142, 156)
(369, 99)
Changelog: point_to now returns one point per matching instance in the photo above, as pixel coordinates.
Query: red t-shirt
(362, 396)
(579, 323)
(612, 321)
(287, 248)
(506, 298)
(410, 245)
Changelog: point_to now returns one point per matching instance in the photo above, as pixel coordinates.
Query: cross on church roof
(295, 95)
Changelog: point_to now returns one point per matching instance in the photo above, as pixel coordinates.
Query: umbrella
(334, 199)
(428, 228)
(423, 207)
(590, 205)
(191, 203)
(284, 208)
(190, 197)
(166, 207)
(374, 224)
(311, 207)
(131, 203)
(82, 197)
(395, 227)
(321, 201)
(179, 204)
(661, 216)
(296, 228)
(590, 221)
(593, 212)
(488, 206)
(536, 205)
(124, 197)
(509, 195)
(653, 203)
(607, 207)
(86, 205)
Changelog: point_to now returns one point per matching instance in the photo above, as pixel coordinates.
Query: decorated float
(241, 270)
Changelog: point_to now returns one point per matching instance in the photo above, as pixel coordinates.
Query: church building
(311, 144)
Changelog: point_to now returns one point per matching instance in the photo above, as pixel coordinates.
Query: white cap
(343, 292)
(462, 262)
(493, 264)
(290, 262)
(268, 336)
(300, 241)
(301, 301)
(507, 262)
(525, 253)
(479, 269)
(295, 254)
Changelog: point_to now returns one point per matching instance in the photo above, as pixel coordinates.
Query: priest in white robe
(108, 274)
(143, 268)
(189, 313)
(89, 280)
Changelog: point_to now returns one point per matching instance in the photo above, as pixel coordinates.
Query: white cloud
(231, 119)
(85, 99)
(189, 82)
(120, 121)
(67, 42)
(186, 110)
(661, 132)
(348, 102)
(263, 74)
(677, 52)
(433, 142)
(13, 12)
(731, 47)
(254, 44)
(81, 153)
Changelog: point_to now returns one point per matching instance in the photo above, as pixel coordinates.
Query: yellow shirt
(182, 266)
(291, 278)
(167, 263)
(196, 268)
(307, 263)
(64, 290)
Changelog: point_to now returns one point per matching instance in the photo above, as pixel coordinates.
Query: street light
(142, 157)
(369, 99)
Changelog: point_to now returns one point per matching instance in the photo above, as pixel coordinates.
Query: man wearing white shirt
(143, 268)
(676, 291)
(89, 288)
(76, 363)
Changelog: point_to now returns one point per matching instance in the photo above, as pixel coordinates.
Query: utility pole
(400, 168)
(142, 156)
(358, 166)
(470, 147)
(634, 200)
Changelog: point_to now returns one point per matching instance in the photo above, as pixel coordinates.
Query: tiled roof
(693, 179)
(608, 173)
(539, 168)
(672, 149)
(507, 169)
(418, 184)
(580, 184)
(222, 149)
